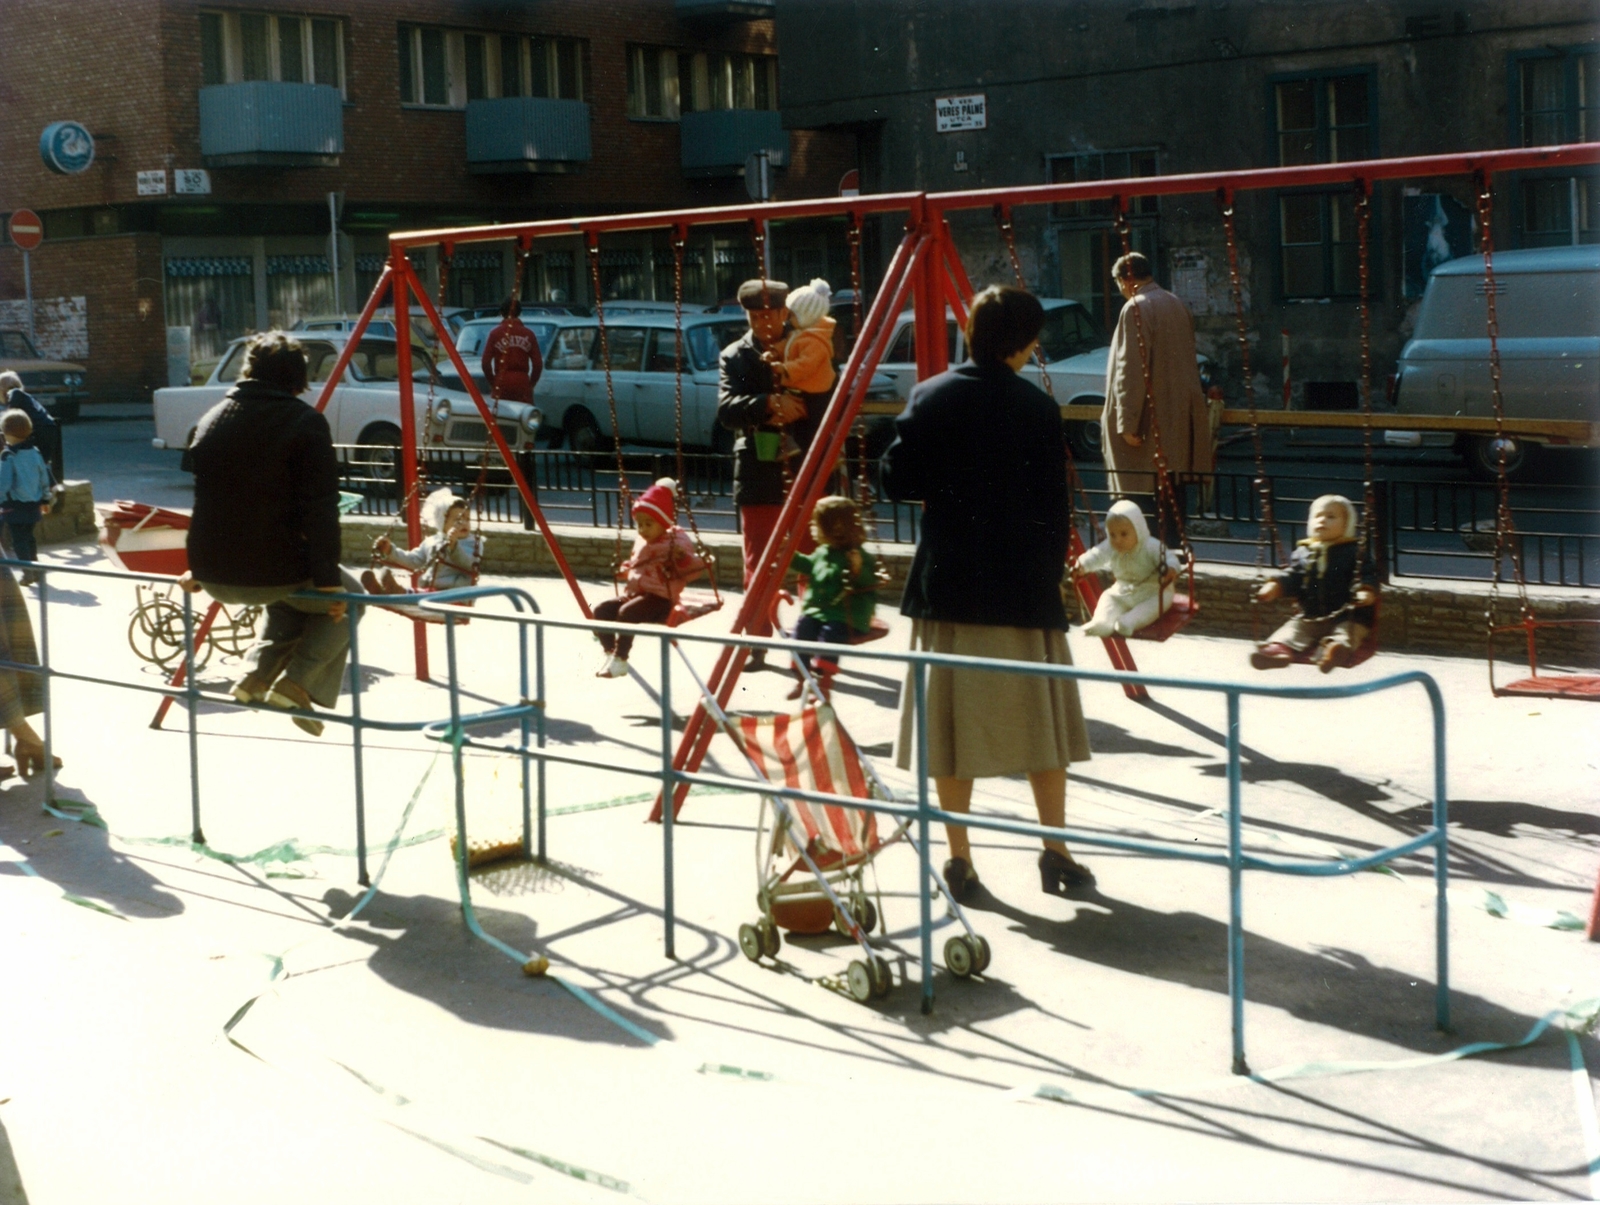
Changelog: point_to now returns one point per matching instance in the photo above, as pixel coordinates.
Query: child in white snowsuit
(1143, 569)
(446, 560)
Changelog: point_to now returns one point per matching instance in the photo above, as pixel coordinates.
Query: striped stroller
(811, 856)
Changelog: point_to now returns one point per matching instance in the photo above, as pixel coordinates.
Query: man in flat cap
(750, 404)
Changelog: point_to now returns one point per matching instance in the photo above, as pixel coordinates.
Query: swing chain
(1008, 233)
(624, 495)
(852, 237)
(447, 256)
(519, 260)
(679, 244)
(1505, 536)
(1363, 229)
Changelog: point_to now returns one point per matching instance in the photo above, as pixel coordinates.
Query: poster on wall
(1437, 229)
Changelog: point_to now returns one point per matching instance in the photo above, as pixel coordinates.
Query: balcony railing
(717, 142)
(266, 124)
(527, 134)
(726, 10)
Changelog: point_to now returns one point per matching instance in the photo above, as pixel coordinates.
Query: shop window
(214, 297)
(236, 47)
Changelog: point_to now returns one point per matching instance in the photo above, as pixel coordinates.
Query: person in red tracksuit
(511, 358)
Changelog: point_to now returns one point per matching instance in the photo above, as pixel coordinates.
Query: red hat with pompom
(661, 501)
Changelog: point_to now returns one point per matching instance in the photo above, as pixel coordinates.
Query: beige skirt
(983, 724)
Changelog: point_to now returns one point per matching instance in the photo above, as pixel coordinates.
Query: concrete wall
(1417, 616)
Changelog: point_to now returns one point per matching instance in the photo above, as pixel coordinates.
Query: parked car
(364, 408)
(381, 326)
(1074, 349)
(1547, 301)
(57, 384)
(572, 391)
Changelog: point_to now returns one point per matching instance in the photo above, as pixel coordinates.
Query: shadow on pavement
(79, 858)
(1338, 988)
(421, 947)
(11, 1191)
(1501, 817)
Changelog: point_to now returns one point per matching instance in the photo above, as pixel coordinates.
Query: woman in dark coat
(983, 450)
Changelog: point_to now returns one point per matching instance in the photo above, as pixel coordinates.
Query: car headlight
(441, 412)
(72, 380)
(531, 419)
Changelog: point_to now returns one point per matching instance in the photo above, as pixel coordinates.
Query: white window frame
(455, 59)
(233, 45)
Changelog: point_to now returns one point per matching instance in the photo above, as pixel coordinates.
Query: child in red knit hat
(663, 561)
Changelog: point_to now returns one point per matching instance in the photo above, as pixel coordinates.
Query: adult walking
(983, 451)
(511, 358)
(1152, 381)
(46, 431)
(750, 404)
(266, 527)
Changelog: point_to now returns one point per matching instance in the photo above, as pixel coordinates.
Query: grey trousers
(1300, 633)
(299, 641)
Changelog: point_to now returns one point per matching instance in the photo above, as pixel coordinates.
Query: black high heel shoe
(1059, 876)
(960, 878)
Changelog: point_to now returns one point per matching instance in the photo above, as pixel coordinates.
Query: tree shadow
(421, 947)
(1326, 986)
(72, 598)
(1328, 781)
(78, 858)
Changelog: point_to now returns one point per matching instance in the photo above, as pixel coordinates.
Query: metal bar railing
(924, 813)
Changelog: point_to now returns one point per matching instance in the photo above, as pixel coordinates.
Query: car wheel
(583, 433)
(378, 455)
(1085, 440)
(1482, 454)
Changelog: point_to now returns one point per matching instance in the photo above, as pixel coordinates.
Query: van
(1547, 301)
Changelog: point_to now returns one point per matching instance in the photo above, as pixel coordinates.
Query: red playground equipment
(925, 272)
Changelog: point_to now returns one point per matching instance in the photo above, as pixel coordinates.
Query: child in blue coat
(25, 488)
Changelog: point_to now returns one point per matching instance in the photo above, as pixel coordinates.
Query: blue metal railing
(530, 714)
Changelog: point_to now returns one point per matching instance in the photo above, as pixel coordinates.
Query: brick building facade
(221, 129)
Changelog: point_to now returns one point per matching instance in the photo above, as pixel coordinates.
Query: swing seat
(1171, 621)
(1363, 651)
(1554, 686)
(877, 631)
(691, 605)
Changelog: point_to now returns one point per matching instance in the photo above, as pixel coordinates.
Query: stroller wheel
(859, 980)
(980, 954)
(958, 956)
(750, 942)
(866, 914)
(771, 939)
(882, 981)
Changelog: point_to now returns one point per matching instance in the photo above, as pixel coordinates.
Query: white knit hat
(809, 303)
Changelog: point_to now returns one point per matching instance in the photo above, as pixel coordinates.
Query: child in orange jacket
(805, 363)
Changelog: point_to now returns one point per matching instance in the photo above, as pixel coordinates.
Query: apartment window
(1327, 118)
(1555, 98)
(1086, 243)
(446, 68)
(1103, 165)
(652, 82)
(713, 80)
(235, 47)
(1320, 251)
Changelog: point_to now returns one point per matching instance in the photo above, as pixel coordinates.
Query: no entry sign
(25, 229)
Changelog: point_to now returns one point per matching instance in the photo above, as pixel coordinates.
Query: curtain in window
(298, 286)
(214, 297)
(1543, 101)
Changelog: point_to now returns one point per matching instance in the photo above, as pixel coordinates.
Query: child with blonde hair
(446, 560)
(1335, 587)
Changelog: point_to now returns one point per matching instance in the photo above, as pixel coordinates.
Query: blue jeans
(813, 630)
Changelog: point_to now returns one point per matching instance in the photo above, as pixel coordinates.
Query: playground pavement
(394, 1058)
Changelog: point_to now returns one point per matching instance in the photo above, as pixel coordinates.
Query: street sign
(152, 183)
(953, 113)
(25, 229)
(850, 184)
(191, 181)
(66, 147)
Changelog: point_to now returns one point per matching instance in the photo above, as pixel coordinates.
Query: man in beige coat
(1159, 323)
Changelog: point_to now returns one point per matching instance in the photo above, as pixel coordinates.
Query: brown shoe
(292, 696)
(369, 582)
(1272, 656)
(1334, 655)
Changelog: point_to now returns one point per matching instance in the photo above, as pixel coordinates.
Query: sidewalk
(397, 1059)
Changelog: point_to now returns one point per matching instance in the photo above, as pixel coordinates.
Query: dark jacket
(983, 450)
(1321, 589)
(744, 385)
(46, 432)
(266, 492)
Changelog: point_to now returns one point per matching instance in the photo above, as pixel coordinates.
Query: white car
(364, 409)
(1074, 349)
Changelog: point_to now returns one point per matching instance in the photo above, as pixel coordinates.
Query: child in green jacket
(841, 585)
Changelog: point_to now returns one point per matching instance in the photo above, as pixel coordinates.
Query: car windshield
(1069, 331)
(14, 345)
(707, 340)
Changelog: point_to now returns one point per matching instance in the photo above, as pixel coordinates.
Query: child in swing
(1144, 571)
(841, 586)
(663, 562)
(446, 560)
(1334, 584)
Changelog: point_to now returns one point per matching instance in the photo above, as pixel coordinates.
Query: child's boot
(1272, 656)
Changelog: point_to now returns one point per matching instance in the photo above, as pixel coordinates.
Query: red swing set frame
(925, 272)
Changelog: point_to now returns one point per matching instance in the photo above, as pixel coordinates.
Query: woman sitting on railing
(983, 451)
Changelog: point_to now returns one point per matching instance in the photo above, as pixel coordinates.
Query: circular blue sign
(66, 147)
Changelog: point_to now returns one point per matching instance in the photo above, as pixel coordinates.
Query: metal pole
(1235, 892)
(27, 290)
(919, 685)
(44, 683)
(407, 461)
(669, 909)
(522, 693)
(333, 247)
(456, 766)
(352, 613)
(192, 698)
(539, 725)
(1441, 866)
